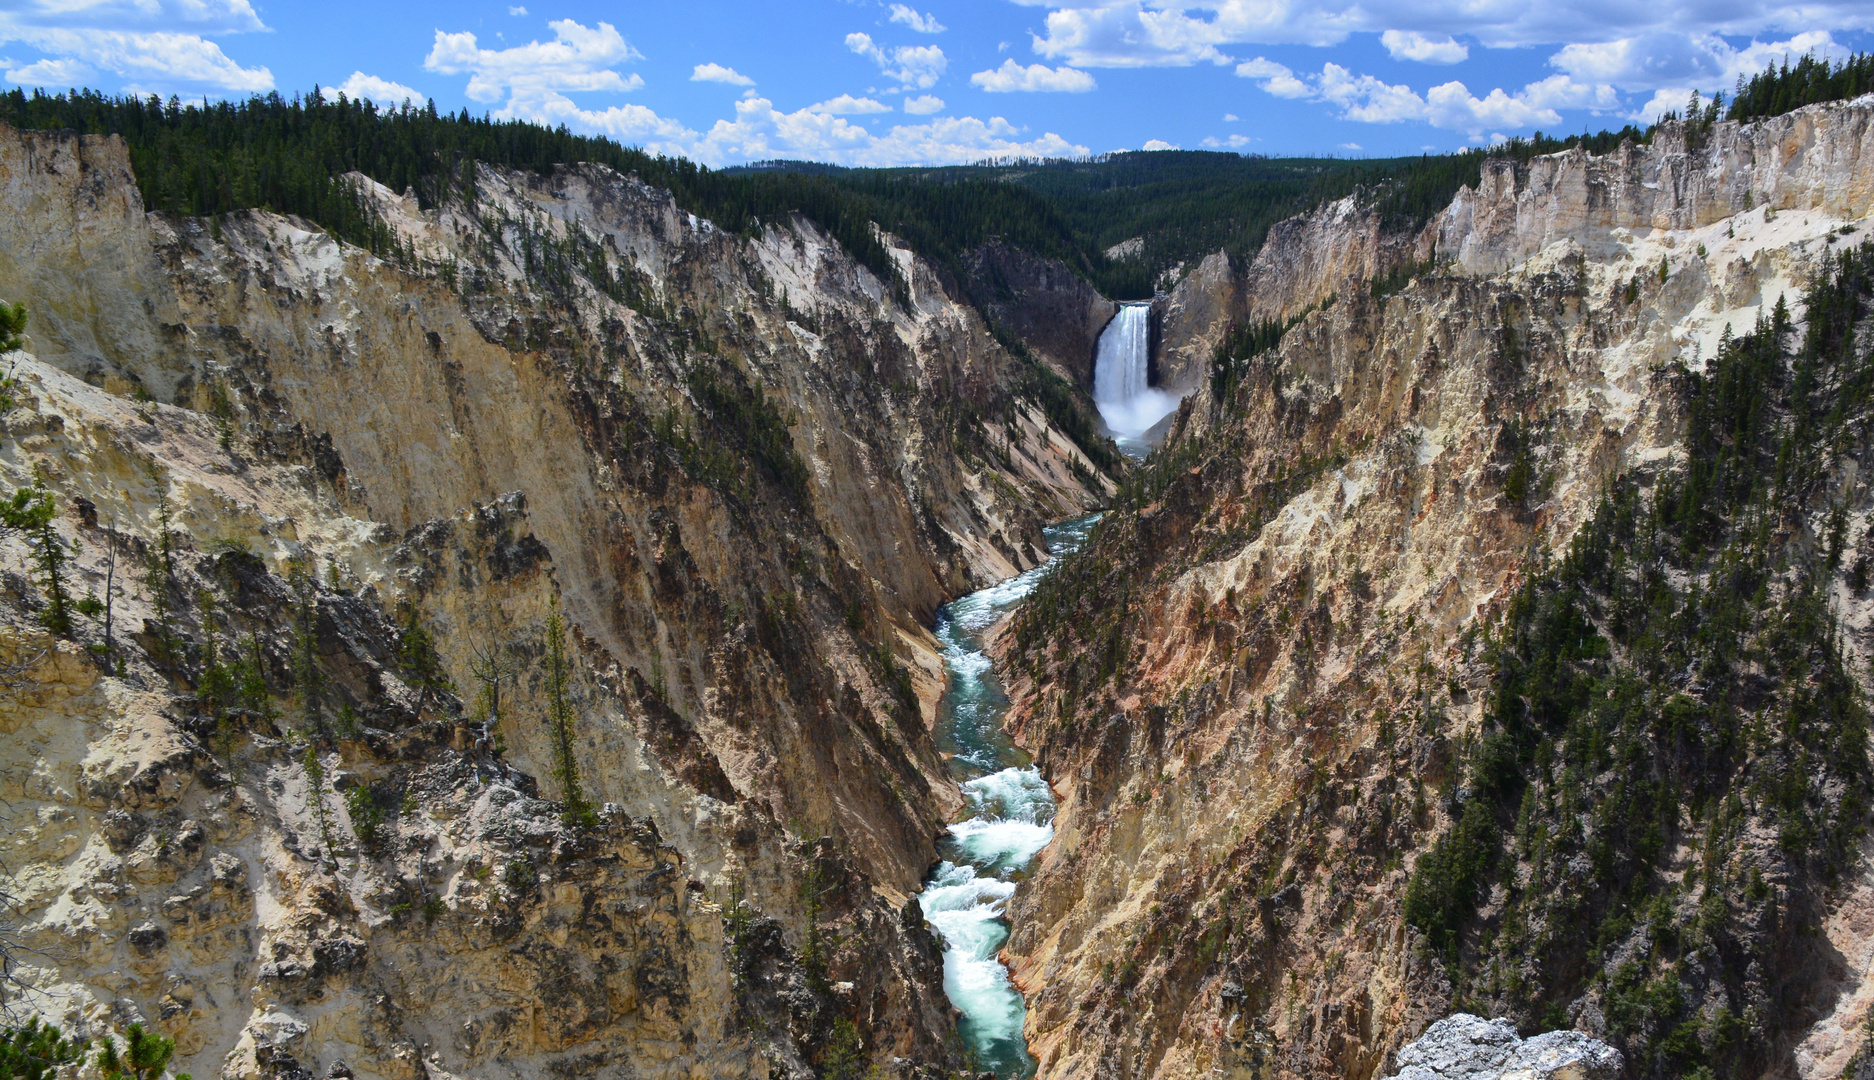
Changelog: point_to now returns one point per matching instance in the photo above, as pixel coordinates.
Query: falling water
(1007, 819)
(1127, 401)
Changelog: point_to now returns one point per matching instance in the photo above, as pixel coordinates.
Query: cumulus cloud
(1158, 144)
(1635, 49)
(918, 66)
(1275, 78)
(1412, 45)
(718, 73)
(759, 130)
(382, 91)
(196, 16)
(633, 125)
(847, 105)
(908, 16)
(1012, 77)
(579, 58)
(923, 105)
(56, 73)
(1230, 118)
(1451, 105)
(1678, 62)
(1128, 33)
(152, 44)
(517, 10)
(1234, 142)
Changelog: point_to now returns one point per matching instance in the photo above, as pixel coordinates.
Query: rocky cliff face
(1053, 310)
(1314, 791)
(256, 817)
(1303, 261)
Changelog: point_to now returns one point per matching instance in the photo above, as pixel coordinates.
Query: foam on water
(1006, 821)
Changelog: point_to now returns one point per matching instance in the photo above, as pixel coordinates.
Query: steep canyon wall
(745, 470)
(1285, 669)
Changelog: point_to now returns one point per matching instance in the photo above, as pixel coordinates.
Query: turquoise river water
(1007, 819)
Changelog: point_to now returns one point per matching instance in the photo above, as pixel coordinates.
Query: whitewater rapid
(1007, 819)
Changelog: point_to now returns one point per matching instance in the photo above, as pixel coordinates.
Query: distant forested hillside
(287, 155)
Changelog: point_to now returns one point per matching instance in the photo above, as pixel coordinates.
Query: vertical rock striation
(1266, 691)
(745, 469)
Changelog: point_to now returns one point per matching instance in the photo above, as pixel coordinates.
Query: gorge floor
(1006, 820)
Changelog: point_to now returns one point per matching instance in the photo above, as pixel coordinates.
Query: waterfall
(1127, 401)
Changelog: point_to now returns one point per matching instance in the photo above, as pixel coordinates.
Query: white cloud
(1131, 33)
(1351, 146)
(579, 58)
(151, 59)
(382, 91)
(759, 131)
(1367, 99)
(1276, 78)
(718, 73)
(153, 44)
(923, 24)
(1412, 45)
(54, 73)
(1610, 53)
(1678, 62)
(1158, 144)
(923, 105)
(517, 10)
(1451, 105)
(1230, 118)
(1127, 35)
(847, 105)
(1455, 108)
(633, 125)
(1012, 77)
(1562, 92)
(1234, 142)
(917, 66)
(193, 16)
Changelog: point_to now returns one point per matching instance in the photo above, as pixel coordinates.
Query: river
(1006, 820)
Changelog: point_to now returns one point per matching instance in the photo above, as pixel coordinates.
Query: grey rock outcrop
(1466, 1047)
(1052, 309)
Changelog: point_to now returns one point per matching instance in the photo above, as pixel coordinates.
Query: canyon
(514, 643)
(744, 470)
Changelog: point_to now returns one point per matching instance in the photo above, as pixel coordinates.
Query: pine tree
(306, 674)
(35, 1051)
(12, 326)
(31, 511)
(416, 654)
(576, 810)
(145, 1056)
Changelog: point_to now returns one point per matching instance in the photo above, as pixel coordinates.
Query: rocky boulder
(1466, 1047)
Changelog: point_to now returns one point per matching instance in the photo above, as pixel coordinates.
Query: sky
(878, 82)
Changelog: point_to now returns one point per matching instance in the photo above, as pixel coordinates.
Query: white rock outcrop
(1466, 1047)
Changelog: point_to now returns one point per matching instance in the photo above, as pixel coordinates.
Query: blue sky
(877, 82)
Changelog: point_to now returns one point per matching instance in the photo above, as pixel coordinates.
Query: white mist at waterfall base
(1007, 819)
(1122, 388)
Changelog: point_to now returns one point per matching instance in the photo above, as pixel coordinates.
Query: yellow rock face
(1331, 559)
(463, 436)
